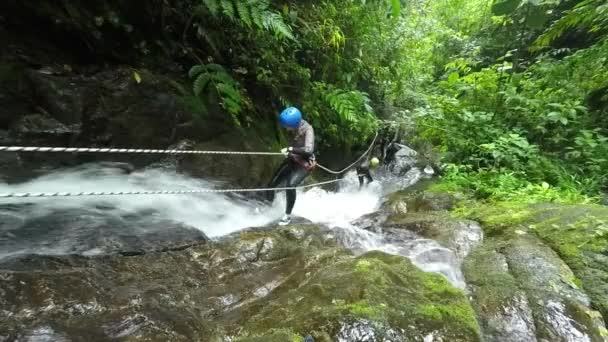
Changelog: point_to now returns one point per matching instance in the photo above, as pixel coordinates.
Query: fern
(352, 106)
(244, 13)
(274, 22)
(592, 14)
(228, 8)
(213, 6)
(207, 76)
(251, 13)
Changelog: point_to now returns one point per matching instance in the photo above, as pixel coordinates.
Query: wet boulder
(522, 291)
(265, 284)
(575, 232)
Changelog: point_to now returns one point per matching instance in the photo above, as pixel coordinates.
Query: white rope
(123, 150)
(169, 192)
(131, 150)
(353, 164)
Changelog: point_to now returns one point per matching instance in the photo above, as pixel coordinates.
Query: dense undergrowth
(511, 94)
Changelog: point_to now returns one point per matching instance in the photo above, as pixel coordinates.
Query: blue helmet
(290, 117)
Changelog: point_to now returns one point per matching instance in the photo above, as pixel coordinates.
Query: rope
(123, 150)
(169, 192)
(131, 150)
(353, 164)
(164, 192)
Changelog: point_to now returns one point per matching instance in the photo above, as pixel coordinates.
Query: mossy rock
(427, 215)
(523, 291)
(578, 233)
(387, 290)
(416, 200)
(265, 284)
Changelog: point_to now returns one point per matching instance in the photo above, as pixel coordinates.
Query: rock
(502, 308)
(575, 232)
(90, 231)
(420, 201)
(404, 159)
(15, 92)
(240, 170)
(268, 284)
(172, 161)
(39, 129)
(522, 291)
(62, 97)
(425, 214)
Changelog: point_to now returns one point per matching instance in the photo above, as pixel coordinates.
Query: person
(363, 170)
(299, 158)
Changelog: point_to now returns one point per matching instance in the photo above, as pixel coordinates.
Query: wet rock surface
(271, 284)
(520, 287)
(574, 232)
(89, 231)
(522, 291)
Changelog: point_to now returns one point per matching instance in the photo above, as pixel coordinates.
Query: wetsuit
(363, 173)
(297, 166)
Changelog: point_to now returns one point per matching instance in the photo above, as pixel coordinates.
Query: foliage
(591, 14)
(500, 185)
(251, 13)
(345, 114)
(214, 76)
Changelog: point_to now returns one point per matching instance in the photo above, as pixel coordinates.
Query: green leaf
(537, 18)
(396, 4)
(195, 70)
(453, 78)
(228, 8)
(137, 77)
(504, 7)
(201, 83)
(213, 6)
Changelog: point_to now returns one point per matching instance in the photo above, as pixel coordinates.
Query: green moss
(578, 233)
(273, 335)
(386, 289)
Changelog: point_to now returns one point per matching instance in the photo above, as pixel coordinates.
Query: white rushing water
(214, 214)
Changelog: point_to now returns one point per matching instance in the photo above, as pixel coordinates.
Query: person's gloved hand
(286, 151)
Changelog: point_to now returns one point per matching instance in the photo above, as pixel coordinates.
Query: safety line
(123, 150)
(371, 146)
(170, 192)
(131, 150)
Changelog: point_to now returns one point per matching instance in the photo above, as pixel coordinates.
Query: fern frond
(212, 67)
(584, 14)
(274, 22)
(244, 13)
(258, 11)
(228, 91)
(223, 78)
(195, 70)
(213, 6)
(228, 8)
(201, 83)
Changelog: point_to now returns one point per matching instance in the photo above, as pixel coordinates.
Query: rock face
(89, 231)
(109, 108)
(259, 285)
(575, 232)
(520, 287)
(541, 273)
(418, 225)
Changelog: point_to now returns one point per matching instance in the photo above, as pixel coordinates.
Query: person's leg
(297, 175)
(369, 177)
(360, 181)
(280, 177)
